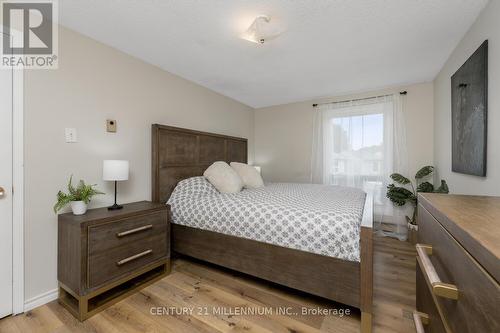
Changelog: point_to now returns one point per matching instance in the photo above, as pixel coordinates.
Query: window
(360, 144)
(356, 147)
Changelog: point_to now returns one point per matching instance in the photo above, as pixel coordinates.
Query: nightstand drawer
(105, 255)
(478, 297)
(109, 265)
(114, 234)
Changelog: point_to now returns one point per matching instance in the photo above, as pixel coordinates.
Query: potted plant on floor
(79, 197)
(401, 195)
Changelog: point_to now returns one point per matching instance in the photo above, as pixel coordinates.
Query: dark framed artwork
(469, 113)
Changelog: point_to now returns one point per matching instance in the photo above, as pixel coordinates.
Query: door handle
(2, 192)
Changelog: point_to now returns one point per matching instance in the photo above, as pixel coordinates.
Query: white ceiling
(330, 47)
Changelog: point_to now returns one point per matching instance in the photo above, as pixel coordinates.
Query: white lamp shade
(114, 170)
(258, 168)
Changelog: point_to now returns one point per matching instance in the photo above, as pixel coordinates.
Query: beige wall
(283, 134)
(487, 26)
(95, 82)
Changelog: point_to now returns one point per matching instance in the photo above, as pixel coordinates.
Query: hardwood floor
(216, 295)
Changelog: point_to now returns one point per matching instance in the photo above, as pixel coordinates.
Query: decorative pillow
(249, 175)
(223, 177)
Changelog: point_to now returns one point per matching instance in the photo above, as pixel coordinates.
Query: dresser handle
(134, 257)
(420, 319)
(439, 288)
(133, 231)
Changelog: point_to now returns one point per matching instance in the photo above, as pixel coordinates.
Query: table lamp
(115, 170)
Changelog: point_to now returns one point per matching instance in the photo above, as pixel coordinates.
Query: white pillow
(223, 178)
(249, 175)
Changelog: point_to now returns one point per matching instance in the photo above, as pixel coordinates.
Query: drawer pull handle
(134, 257)
(420, 319)
(133, 231)
(439, 288)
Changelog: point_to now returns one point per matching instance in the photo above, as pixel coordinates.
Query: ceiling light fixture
(261, 30)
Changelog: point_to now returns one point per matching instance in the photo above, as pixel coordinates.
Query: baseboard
(41, 299)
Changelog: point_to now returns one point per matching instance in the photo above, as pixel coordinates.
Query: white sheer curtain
(359, 144)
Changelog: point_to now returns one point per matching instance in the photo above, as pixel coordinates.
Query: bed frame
(179, 153)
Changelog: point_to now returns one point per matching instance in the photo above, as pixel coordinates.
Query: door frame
(18, 191)
(17, 185)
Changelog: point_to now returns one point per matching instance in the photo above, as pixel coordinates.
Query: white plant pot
(412, 233)
(78, 207)
(412, 226)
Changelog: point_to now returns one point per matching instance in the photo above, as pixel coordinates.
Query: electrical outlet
(111, 125)
(70, 135)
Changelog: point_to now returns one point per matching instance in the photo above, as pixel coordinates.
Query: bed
(302, 259)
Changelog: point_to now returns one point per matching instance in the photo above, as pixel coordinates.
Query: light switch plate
(111, 125)
(70, 135)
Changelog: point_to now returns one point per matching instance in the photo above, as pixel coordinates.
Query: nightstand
(106, 255)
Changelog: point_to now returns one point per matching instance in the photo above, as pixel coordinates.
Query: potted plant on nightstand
(79, 197)
(400, 195)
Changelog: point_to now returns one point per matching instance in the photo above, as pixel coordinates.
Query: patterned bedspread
(320, 219)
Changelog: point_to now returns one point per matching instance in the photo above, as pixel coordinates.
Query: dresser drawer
(476, 309)
(107, 236)
(109, 265)
(425, 304)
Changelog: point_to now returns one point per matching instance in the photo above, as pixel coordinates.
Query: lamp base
(115, 207)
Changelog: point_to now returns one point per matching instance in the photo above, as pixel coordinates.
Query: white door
(5, 192)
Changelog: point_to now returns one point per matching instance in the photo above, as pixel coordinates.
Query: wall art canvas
(469, 98)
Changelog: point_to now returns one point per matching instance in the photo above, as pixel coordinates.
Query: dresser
(105, 255)
(458, 266)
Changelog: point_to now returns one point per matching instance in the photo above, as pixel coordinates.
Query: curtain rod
(360, 99)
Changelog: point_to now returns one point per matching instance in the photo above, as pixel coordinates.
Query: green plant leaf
(424, 172)
(71, 188)
(62, 200)
(82, 192)
(399, 178)
(443, 188)
(399, 195)
(425, 187)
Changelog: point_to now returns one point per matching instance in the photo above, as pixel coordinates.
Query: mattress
(320, 219)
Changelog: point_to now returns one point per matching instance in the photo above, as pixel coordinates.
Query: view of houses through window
(358, 152)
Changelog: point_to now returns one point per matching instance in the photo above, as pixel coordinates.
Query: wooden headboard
(179, 153)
